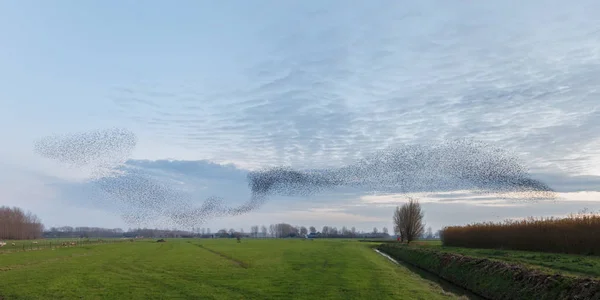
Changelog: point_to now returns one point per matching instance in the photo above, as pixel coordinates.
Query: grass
(211, 269)
(571, 264)
(494, 278)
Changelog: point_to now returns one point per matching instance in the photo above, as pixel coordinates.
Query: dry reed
(576, 234)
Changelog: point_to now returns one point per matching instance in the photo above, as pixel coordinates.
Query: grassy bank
(494, 279)
(211, 269)
(571, 264)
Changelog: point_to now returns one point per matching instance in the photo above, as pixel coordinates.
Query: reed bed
(575, 234)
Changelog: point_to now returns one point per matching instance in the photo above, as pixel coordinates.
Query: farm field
(571, 264)
(212, 269)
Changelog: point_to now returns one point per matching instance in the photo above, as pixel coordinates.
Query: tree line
(16, 224)
(408, 225)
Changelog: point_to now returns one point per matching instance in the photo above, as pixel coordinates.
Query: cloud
(307, 86)
(332, 89)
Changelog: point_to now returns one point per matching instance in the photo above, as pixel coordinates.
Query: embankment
(495, 279)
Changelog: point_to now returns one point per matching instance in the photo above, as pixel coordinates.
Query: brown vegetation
(15, 224)
(576, 234)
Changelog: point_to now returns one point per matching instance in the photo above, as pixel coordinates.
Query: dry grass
(576, 234)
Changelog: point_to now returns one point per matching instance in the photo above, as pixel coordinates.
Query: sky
(213, 90)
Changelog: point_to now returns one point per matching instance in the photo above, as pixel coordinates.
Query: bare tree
(15, 224)
(408, 220)
(263, 230)
(429, 233)
(312, 229)
(303, 231)
(272, 230)
(254, 231)
(385, 230)
(333, 231)
(375, 230)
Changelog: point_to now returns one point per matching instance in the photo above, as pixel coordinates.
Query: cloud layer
(307, 86)
(331, 89)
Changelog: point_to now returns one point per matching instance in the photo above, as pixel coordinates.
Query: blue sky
(223, 88)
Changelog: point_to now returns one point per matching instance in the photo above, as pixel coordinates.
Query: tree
(263, 230)
(375, 230)
(353, 231)
(303, 231)
(15, 224)
(325, 231)
(254, 231)
(222, 233)
(272, 230)
(408, 220)
(385, 230)
(312, 229)
(429, 233)
(344, 231)
(333, 231)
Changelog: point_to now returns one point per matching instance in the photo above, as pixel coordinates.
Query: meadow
(212, 269)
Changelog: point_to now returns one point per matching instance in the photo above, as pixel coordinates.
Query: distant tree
(222, 233)
(333, 231)
(272, 230)
(344, 231)
(254, 231)
(231, 232)
(263, 230)
(325, 231)
(375, 231)
(429, 233)
(409, 220)
(385, 230)
(285, 230)
(353, 231)
(312, 229)
(303, 231)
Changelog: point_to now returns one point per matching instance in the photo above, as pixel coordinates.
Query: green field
(212, 269)
(577, 265)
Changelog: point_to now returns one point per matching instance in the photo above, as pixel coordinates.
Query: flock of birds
(448, 166)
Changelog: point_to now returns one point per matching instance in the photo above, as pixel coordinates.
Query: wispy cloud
(304, 84)
(334, 89)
